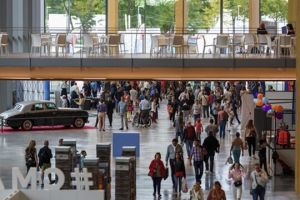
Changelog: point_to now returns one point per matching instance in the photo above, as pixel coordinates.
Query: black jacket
(45, 155)
(211, 144)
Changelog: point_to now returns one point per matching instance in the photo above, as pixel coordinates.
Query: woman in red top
(157, 172)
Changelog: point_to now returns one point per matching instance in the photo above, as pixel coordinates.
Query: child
(129, 109)
(198, 128)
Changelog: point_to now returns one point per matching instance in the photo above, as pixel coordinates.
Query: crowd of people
(189, 106)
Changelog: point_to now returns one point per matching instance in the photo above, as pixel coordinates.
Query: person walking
(171, 155)
(179, 125)
(197, 110)
(216, 193)
(236, 173)
(212, 128)
(205, 104)
(157, 172)
(185, 108)
(179, 173)
(102, 110)
(198, 128)
(263, 154)
(110, 110)
(250, 138)
(222, 121)
(211, 144)
(123, 113)
(196, 193)
(234, 108)
(45, 156)
(189, 135)
(31, 159)
(237, 147)
(197, 154)
(258, 180)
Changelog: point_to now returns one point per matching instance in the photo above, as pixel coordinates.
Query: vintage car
(27, 114)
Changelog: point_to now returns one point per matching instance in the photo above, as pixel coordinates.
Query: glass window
(274, 14)
(50, 106)
(235, 16)
(37, 107)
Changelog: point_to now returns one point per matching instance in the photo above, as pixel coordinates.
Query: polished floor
(154, 139)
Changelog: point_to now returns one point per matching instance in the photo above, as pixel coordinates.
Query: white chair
(36, 44)
(285, 44)
(222, 42)
(88, 44)
(4, 43)
(46, 42)
(236, 43)
(61, 42)
(162, 44)
(262, 42)
(250, 43)
(154, 45)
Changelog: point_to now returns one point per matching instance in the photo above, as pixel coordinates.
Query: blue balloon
(265, 100)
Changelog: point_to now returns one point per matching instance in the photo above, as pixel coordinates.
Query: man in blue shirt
(123, 113)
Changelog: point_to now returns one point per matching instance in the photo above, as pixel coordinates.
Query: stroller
(137, 120)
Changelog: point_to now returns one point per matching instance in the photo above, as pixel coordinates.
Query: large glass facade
(235, 16)
(274, 14)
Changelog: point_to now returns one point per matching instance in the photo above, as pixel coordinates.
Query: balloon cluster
(271, 110)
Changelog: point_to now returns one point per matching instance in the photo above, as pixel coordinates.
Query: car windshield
(18, 107)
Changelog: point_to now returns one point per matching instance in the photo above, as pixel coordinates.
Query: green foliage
(202, 14)
(84, 10)
(275, 9)
(237, 8)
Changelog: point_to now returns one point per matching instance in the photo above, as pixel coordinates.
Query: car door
(36, 114)
(52, 114)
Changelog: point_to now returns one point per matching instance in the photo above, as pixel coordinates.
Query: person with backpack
(45, 156)
(189, 135)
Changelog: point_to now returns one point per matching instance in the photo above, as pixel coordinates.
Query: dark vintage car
(27, 114)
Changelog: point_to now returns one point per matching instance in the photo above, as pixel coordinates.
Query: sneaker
(154, 194)
(121, 129)
(103, 129)
(42, 185)
(206, 171)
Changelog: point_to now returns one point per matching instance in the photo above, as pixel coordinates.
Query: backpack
(43, 156)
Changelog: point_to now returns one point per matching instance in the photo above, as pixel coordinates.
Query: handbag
(167, 173)
(184, 186)
(229, 160)
(237, 183)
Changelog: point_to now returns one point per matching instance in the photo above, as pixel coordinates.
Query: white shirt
(261, 178)
(145, 105)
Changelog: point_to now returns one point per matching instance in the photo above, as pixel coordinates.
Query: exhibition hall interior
(149, 99)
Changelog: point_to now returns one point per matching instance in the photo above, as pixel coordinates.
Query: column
(297, 159)
(292, 11)
(253, 15)
(112, 16)
(47, 90)
(181, 15)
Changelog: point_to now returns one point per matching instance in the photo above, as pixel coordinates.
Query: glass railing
(144, 44)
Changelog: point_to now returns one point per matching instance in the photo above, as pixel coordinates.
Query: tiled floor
(153, 139)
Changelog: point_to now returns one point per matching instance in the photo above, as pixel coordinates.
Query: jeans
(178, 180)
(222, 128)
(210, 158)
(189, 146)
(124, 118)
(110, 118)
(251, 145)
(236, 155)
(198, 166)
(156, 185)
(259, 193)
(172, 166)
(197, 116)
(206, 111)
(235, 116)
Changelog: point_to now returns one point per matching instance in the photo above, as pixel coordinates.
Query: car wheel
(27, 125)
(78, 123)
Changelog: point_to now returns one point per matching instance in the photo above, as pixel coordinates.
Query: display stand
(63, 160)
(130, 151)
